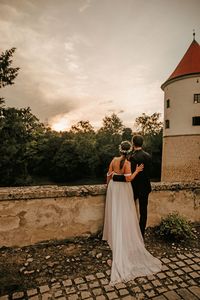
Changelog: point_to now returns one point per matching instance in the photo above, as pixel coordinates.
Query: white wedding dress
(130, 259)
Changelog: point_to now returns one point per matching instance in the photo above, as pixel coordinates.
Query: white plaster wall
(182, 107)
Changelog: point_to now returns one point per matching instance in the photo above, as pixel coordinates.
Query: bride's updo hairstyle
(125, 148)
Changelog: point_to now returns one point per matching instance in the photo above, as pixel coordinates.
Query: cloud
(86, 5)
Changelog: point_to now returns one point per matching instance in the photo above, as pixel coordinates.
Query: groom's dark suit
(141, 183)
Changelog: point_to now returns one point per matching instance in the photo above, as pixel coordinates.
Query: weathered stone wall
(32, 214)
(181, 158)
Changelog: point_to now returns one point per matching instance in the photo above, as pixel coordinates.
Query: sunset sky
(84, 59)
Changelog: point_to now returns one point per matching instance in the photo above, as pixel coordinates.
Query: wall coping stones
(55, 191)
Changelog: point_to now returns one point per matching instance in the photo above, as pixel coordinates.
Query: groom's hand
(120, 178)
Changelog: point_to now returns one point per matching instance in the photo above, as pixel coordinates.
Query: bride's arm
(127, 171)
(110, 172)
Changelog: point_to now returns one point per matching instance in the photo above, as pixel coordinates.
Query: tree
(127, 134)
(149, 124)
(112, 124)
(7, 73)
(151, 129)
(82, 127)
(18, 128)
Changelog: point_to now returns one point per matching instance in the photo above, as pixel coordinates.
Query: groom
(141, 184)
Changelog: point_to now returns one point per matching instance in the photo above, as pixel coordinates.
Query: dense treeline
(31, 153)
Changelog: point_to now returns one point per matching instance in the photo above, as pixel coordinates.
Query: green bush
(175, 227)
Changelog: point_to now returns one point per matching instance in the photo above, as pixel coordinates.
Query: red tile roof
(189, 64)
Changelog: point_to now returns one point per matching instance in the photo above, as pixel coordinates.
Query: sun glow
(60, 124)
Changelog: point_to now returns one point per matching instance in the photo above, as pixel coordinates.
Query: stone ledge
(54, 191)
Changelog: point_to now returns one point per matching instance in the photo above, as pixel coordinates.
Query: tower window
(168, 103)
(166, 123)
(196, 98)
(196, 121)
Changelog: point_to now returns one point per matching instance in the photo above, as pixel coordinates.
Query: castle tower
(181, 134)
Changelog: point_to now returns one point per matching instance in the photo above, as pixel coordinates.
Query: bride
(130, 259)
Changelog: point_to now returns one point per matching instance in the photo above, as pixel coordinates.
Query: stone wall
(33, 214)
(181, 158)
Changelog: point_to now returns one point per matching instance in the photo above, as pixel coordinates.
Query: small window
(196, 121)
(196, 98)
(166, 123)
(168, 103)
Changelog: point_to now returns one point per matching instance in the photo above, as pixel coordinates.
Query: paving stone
(147, 286)
(170, 274)
(161, 290)
(181, 256)
(67, 282)
(123, 292)
(161, 275)
(190, 255)
(172, 286)
(100, 275)
(165, 260)
(189, 261)
(165, 268)
(179, 272)
(120, 285)
(94, 284)
(136, 289)
(18, 295)
(82, 286)
(70, 290)
(46, 296)
(44, 288)
(90, 277)
(180, 264)
(187, 269)
(183, 284)
(129, 297)
(36, 297)
(79, 280)
(112, 295)
(85, 294)
(72, 297)
(174, 258)
(104, 281)
(142, 280)
(108, 288)
(5, 297)
(97, 291)
(195, 290)
(195, 267)
(32, 292)
(172, 266)
(108, 272)
(186, 294)
(151, 277)
(156, 283)
(172, 295)
(194, 275)
(159, 298)
(140, 296)
(101, 297)
(150, 294)
(58, 294)
(176, 279)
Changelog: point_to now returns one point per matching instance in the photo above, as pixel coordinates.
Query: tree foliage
(7, 72)
(31, 153)
(149, 124)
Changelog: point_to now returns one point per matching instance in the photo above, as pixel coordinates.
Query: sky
(86, 59)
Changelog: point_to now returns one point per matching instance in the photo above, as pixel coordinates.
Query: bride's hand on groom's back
(139, 168)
